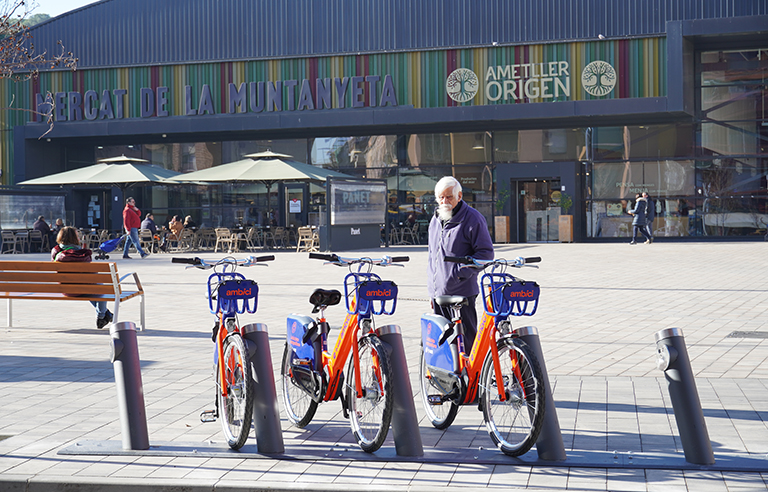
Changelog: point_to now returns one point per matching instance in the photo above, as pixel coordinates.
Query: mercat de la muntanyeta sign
(254, 97)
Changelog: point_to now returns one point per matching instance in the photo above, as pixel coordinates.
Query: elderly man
(456, 230)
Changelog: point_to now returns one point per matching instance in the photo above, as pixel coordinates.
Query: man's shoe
(108, 316)
(144, 255)
(633, 242)
(101, 322)
(648, 241)
(126, 257)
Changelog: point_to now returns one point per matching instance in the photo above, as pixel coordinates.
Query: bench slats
(38, 296)
(50, 266)
(49, 277)
(16, 287)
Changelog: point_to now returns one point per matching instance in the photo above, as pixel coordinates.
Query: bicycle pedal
(435, 399)
(208, 416)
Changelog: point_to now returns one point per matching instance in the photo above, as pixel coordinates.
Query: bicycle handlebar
(340, 261)
(482, 264)
(202, 264)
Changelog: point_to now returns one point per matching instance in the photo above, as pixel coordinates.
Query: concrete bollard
(405, 424)
(266, 414)
(673, 360)
(130, 393)
(549, 445)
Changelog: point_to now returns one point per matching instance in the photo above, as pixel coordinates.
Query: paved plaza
(601, 305)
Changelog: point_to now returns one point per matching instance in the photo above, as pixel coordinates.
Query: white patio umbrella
(265, 168)
(119, 171)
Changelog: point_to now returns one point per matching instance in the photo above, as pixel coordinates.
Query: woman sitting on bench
(68, 249)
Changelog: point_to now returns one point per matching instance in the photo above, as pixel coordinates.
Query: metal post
(549, 445)
(673, 360)
(405, 425)
(266, 414)
(130, 394)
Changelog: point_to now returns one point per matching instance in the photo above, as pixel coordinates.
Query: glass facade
(706, 177)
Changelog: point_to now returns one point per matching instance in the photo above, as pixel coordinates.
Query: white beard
(444, 212)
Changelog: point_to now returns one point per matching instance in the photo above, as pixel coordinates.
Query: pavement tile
(599, 351)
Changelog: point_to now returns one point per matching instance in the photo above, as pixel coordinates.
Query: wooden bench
(48, 280)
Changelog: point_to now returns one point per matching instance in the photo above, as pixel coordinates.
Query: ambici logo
(377, 293)
(522, 293)
(461, 85)
(238, 292)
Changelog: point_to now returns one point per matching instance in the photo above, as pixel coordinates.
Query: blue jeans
(101, 308)
(133, 237)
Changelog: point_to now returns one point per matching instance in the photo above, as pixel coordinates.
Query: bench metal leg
(10, 314)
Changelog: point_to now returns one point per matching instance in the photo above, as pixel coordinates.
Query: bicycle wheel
(515, 423)
(441, 415)
(298, 404)
(236, 409)
(371, 414)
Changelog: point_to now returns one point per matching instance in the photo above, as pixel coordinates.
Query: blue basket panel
(439, 356)
(297, 327)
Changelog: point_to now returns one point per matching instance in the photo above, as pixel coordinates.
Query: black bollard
(549, 445)
(130, 393)
(673, 360)
(405, 424)
(266, 414)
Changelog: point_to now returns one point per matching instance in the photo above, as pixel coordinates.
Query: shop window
(370, 152)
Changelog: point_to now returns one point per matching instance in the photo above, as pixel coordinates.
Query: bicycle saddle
(322, 297)
(451, 301)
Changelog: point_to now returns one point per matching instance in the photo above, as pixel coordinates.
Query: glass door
(296, 205)
(538, 213)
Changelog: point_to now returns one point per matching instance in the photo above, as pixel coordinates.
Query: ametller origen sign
(521, 81)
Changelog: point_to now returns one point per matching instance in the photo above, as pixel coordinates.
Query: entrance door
(296, 197)
(538, 215)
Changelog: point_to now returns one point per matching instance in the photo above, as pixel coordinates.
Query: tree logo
(462, 85)
(598, 78)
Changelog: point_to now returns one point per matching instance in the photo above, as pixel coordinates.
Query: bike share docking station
(266, 414)
(130, 393)
(673, 360)
(405, 424)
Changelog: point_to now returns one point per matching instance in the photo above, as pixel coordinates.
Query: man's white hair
(447, 182)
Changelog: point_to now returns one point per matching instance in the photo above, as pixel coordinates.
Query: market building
(531, 105)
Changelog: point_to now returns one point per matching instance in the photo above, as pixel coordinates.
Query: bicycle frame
(347, 339)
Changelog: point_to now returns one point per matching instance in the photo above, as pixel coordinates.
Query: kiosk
(356, 210)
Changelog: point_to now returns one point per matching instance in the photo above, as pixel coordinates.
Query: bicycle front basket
(522, 297)
(377, 297)
(237, 296)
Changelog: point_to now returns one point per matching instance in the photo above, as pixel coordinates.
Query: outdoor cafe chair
(305, 240)
(224, 237)
(412, 234)
(9, 242)
(37, 237)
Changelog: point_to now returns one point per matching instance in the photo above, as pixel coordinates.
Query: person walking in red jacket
(131, 224)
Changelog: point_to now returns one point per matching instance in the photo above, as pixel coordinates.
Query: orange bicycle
(230, 294)
(501, 374)
(311, 374)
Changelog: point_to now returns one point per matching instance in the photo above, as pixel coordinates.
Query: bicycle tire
(370, 415)
(236, 410)
(441, 416)
(299, 405)
(515, 424)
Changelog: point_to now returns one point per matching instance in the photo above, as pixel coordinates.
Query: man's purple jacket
(466, 234)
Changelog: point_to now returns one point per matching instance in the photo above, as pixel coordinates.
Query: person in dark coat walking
(650, 214)
(638, 221)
